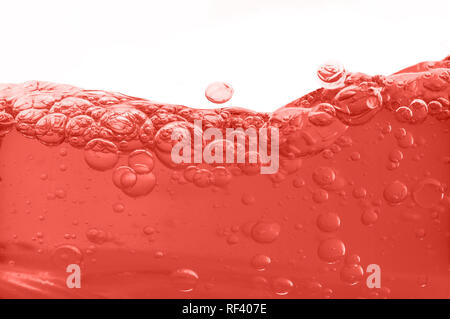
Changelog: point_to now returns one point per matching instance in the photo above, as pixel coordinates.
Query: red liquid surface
(363, 180)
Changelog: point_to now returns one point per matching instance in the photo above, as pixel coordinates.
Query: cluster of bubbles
(107, 124)
(418, 110)
(136, 179)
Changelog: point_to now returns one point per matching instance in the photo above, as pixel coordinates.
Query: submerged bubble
(260, 262)
(404, 114)
(101, 154)
(189, 173)
(143, 186)
(423, 281)
(352, 259)
(124, 176)
(96, 236)
(221, 176)
(202, 178)
(369, 216)
(320, 196)
(118, 208)
(434, 107)
(396, 155)
(65, 255)
(395, 192)
(141, 161)
(352, 274)
(252, 165)
(219, 92)
(128, 179)
(149, 230)
(428, 193)
(331, 250)
(406, 141)
(419, 110)
(324, 176)
(359, 192)
(248, 199)
(265, 232)
(184, 280)
(298, 182)
(131, 183)
(282, 286)
(420, 233)
(328, 222)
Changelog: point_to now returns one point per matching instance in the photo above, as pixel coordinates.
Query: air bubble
(331, 74)
(184, 280)
(331, 250)
(202, 178)
(141, 161)
(396, 155)
(406, 141)
(50, 129)
(322, 115)
(124, 176)
(421, 233)
(118, 208)
(265, 232)
(65, 255)
(324, 176)
(221, 176)
(359, 192)
(189, 173)
(96, 236)
(248, 199)
(328, 222)
(428, 193)
(434, 107)
(143, 186)
(101, 154)
(395, 192)
(260, 262)
(149, 230)
(352, 259)
(320, 196)
(352, 274)
(282, 286)
(369, 216)
(219, 92)
(298, 182)
(128, 179)
(404, 114)
(419, 111)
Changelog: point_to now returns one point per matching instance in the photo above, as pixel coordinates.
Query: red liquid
(360, 182)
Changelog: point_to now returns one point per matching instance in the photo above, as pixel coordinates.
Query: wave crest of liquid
(108, 124)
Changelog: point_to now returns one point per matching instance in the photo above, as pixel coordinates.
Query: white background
(170, 50)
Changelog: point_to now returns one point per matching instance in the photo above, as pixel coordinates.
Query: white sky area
(170, 50)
